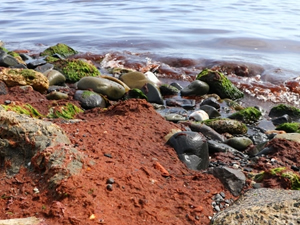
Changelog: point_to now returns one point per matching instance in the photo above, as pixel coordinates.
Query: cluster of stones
(218, 123)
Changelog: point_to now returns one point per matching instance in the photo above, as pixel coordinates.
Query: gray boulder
(191, 148)
(89, 99)
(233, 180)
(262, 206)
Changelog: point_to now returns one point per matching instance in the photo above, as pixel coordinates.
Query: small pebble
(217, 208)
(222, 194)
(110, 181)
(108, 155)
(109, 187)
(7, 102)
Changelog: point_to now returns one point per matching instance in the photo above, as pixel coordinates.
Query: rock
(211, 101)
(191, 148)
(75, 69)
(215, 146)
(3, 88)
(207, 131)
(117, 81)
(239, 143)
(66, 111)
(32, 64)
(152, 93)
(282, 119)
(173, 111)
(22, 221)
(289, 127)
(290, 137)
(167, 89)
(7, 60)
(56, 95)
(152, 79)
(22, 137)
(89, 99)
(227, 126)
(44, 68)
(60, 49)
(176, 85)
(55, 77)
(199, 115)
(184, 103)
(135, 79)
(195, 88)
(211, 111)
(282, 109)
(219, 84)
(111, 89)
(262, 206)
(22, 77)
(135, 93)
(233, 180)
(248, 115)
(175, 117)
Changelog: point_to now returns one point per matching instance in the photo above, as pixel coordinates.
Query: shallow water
(262, 32)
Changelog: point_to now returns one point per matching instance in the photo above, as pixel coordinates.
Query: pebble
(110, 181)
(109, 187)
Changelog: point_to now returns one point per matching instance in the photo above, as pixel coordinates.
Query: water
(262, 32)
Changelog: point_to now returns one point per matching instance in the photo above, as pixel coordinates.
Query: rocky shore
(82, 147)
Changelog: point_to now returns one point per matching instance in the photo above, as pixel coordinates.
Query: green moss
(26, 109)
(294, 178)
(248, 115)
(219, 84)
(226, 126)
(86, 94)
(136, 93)
(51, 59)
(67, 111)
(75, 69)
(4, 49)
(289, 127)
(61, 49)
(277, 170)
(13, 54)
(283, 109)
(28, 74)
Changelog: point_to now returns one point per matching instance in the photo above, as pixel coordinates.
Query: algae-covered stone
(248, 115)
(167, 89)
(283, 109)
(195, 88)
(89, 99)
(136, 93)
(23, 77)
(67, 111)
(55, 77)
(289, 127)
(75, 69)
(219, 84)
(61, 49)
(227, 126)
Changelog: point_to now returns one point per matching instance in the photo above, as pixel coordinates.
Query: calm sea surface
(263, 31)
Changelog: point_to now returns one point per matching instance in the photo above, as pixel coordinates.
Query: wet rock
(40, 134)
(283, 109)
(103, 86)
(219, 84)
(173, 111)
(167, 89)
(258, 137)
(175, 117)
(282, 119)
(191, 148)
(176, 85)
(211, 101)
(233, 180)
(135, 93)
(262, 206)
(248, 115)
(290, 137)
(227, 126)
(207, 131)
(7, 60)
(195, 88)
(3, 88)
(199, 115)
(89, 99)
(22, 77)
(32, 64)
(211, 111)
(55, 77)
(152, 93)
(215, 146)
(56, 95)
(44, 68)
(255, 149)
(152, 79)
(239, 143)
(184, 103)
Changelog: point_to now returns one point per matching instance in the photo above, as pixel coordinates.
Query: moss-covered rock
(61, 49)
(219, 84)
(75, 69)
(67, 111)
(26, 109)
(289, 127)
(248, 115)
(136, 93)
(283, 109)
(227, 126)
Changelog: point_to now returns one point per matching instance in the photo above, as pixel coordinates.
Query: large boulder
(23, 77)
(262, 206)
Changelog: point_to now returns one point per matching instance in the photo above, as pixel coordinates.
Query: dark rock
(282, 119)
(211, 111)
(3, 88)
(168, 89)
(152, 94)
(233, 180)
(196, 88)
(35, 63)
(7, 60)
(282, 109)
(176, 85)
(215, 146)
(110, 181)
(43, 68)
(184, 103)
(89, 99)
(191, 148)
(109, 187)
(211, 101)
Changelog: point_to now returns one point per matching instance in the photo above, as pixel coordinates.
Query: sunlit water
(263, 32)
